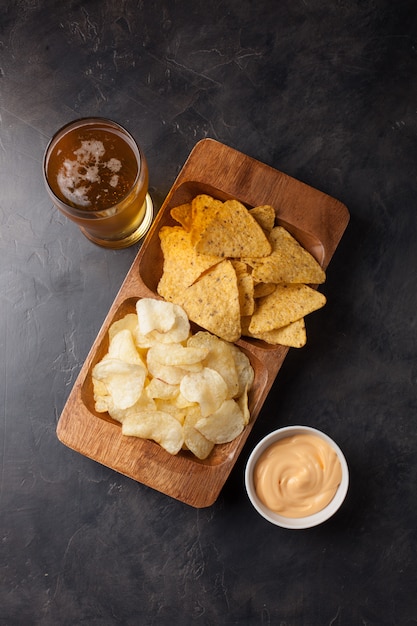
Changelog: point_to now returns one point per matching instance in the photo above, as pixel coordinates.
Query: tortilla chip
(288, 303)
(289, 262)
(260, 290)
(264, 215)
(182, 215)
(204, 209)
(213, 302)
(234, 234)
(182, 264)
(294, 335)
(245, 288)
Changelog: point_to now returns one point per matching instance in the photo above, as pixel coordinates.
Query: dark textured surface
(323, 90)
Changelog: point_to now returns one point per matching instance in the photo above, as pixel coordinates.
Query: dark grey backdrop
(325, 91)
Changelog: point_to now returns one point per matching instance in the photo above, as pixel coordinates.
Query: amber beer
(97, 175)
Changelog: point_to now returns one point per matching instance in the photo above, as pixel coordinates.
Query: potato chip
(207, 388)
(182, 403)
(171, 374)
(193, 439)
(129, 321)
(245, 372)
(102, 398)
(167, 406)
(286, 304)
(167, 321)
(158, 426)
(234, 233)
(176, 385)
(213, 302)
(288, 262)
(220, 357)
(182, 264)
(264, 215)
(158, 388)
(179, 355)
(223, 425)
(182, 215)
(124, 381)
(122, 347)
(144, 403)
(243, 403)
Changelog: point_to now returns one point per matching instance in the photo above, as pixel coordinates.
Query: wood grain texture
(314, 218)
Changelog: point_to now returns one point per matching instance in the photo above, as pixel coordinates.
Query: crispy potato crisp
(224, 425)
(156, 425)
(194, 441)
(162, 383)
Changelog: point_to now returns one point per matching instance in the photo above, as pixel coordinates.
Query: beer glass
(97, 176)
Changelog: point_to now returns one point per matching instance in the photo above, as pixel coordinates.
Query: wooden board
(314, 218)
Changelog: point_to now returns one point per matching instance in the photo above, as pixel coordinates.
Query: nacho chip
(213, 302)
(264, 215)
(182, 264)
(182, 215)
(293, 335)
(286, 304)
(260, 290)
(204, 209)
(234, 233)
(245, 287)
(288, 262)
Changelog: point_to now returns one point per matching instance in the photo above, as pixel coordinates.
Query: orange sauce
(297, 476)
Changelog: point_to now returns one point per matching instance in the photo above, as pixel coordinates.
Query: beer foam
(76, 177)
(114, 165)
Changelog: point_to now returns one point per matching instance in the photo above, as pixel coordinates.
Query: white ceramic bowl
(300, 522)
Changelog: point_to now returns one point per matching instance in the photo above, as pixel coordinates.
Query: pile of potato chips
(235, 273)
(184, 391)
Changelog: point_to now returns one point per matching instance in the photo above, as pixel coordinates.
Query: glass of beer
(96, 174)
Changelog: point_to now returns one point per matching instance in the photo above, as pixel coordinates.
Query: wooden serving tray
(314, 218)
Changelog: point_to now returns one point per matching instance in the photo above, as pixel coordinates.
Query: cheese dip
(297, 476)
